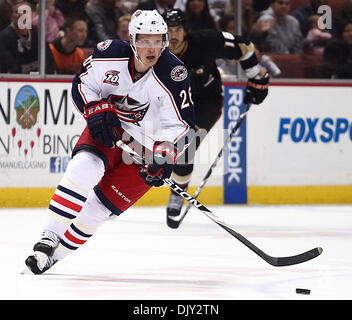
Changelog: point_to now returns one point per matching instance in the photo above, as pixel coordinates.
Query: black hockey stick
(177, 221)
(274, 261)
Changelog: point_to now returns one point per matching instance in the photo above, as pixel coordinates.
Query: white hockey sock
(92, 216)
(83, 172)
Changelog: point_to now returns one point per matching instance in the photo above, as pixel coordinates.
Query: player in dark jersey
(138, 93)
(198, 50)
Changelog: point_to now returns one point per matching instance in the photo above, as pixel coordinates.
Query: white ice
(136, 256)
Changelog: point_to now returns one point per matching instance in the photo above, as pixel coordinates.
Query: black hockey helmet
(174, 18)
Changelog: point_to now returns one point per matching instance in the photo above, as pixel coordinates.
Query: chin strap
(135, 54)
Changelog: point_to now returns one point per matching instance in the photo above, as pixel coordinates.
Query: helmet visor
(151, 42)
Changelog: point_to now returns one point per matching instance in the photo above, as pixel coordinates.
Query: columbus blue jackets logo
(179, 73)
(104, 45)
(128, 109)
(112, 77)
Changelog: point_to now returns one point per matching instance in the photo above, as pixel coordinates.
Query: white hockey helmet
(147, 22)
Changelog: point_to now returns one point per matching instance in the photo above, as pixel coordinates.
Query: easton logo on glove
(103, 123)
(95, 107)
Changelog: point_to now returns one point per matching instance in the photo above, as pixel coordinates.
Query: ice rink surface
(136, 256)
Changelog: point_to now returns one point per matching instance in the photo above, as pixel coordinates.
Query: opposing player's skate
(173, 210)
(42, 259)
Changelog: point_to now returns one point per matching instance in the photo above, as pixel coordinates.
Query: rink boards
(294, 148)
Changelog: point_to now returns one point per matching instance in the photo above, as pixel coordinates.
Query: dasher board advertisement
(37, 132)
(235, 158)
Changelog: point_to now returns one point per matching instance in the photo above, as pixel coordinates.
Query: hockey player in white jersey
(137, 90)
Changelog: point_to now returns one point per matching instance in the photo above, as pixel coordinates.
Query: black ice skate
(173, 210)
(42, 260)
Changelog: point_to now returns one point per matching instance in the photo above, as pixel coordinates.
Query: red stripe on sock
(73, 239)
(67, 203)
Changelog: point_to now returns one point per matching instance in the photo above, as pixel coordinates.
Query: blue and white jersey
(156, 107)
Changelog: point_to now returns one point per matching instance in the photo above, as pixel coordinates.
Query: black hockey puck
(302, 291)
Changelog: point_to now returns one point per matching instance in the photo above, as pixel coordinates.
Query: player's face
(176, 38)
(149, 48)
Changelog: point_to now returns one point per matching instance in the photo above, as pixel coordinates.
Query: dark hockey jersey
(202, 49)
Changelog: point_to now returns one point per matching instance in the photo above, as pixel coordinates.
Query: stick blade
(300, 258)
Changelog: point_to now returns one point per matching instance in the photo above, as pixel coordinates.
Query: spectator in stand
(260, 5)
(217, 9)
(19, 45)
(227, 23)
(284, 36)
(316, 39)
(103, 16)
(180, 4)
(338, 53)
(68, 55)
(122, 28)
(54, 20)
(5, 13)
(305, 11)
(251, 27)
(257, 5)
(129, 6)
(198, 16)
(341, 17)
(160, 5)
(249, 15)
(69, 7)
(126, 6)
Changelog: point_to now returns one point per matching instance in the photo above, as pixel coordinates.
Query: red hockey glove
(164, 157)
(103, 124)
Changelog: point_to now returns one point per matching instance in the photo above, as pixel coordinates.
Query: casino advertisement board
(37, 133)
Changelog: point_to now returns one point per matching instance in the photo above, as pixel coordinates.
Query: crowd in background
(294, 38)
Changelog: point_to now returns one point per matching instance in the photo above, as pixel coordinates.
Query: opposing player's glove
(164, 157)
(257, 89)
(103, 124)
